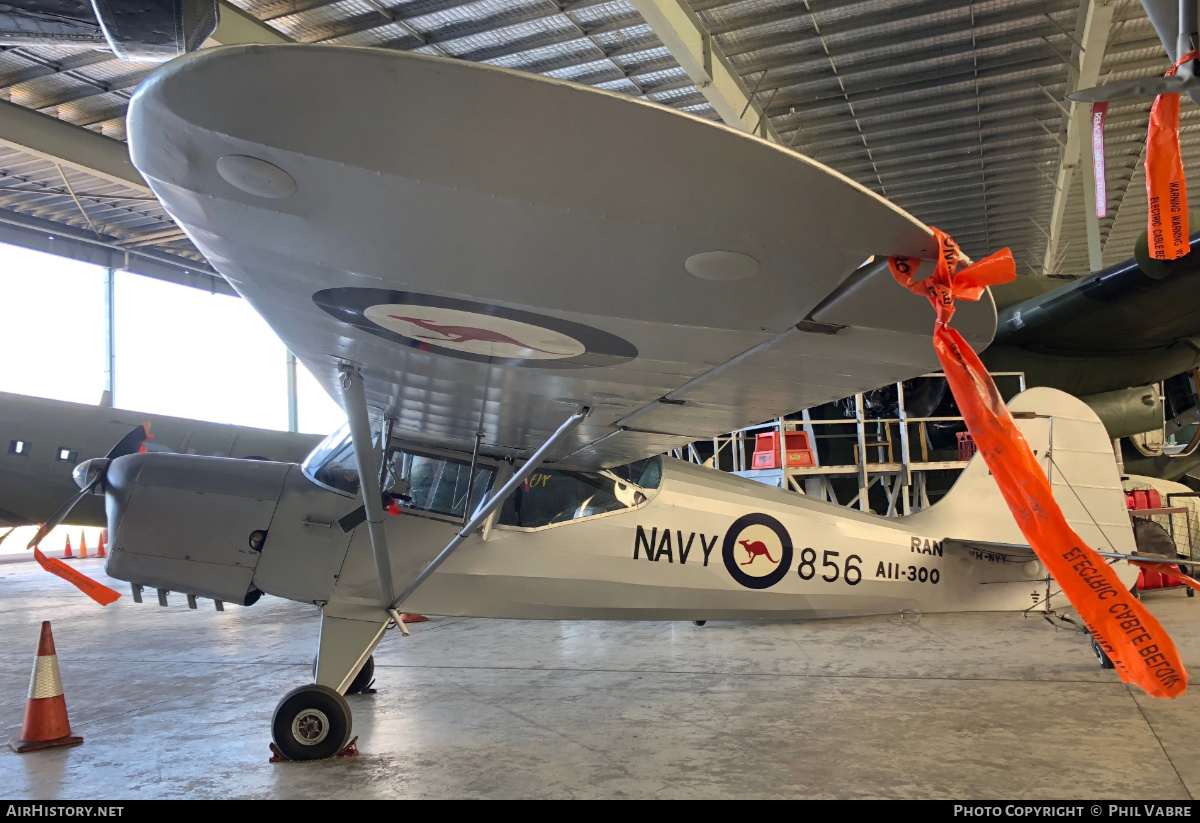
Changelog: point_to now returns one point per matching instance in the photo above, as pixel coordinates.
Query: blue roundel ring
(728, 547)
(601, 348)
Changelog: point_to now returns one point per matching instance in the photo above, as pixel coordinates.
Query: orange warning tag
(97, 591)
(1166, 187)
(1138, 646)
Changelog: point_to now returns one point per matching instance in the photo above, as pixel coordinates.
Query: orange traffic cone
(414, 618)
(46, 723)
(82, 545)
(100, 552)
(67, 551)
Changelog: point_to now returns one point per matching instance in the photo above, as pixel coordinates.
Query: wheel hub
(310, 727)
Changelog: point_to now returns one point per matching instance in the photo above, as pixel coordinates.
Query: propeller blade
(59, 515)
(130, 443)
(1146, 88)
(4, 536)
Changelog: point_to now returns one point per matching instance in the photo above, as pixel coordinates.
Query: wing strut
(495, 502)
(354, 398)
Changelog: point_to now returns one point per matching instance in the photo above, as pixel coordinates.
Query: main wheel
(699, 622)
(362, 680)
(311, 723)
(1105, 663)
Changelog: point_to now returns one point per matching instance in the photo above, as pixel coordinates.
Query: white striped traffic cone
(46, 723)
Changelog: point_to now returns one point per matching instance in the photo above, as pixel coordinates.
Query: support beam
(110, 337)
(293, 405)
(354, 401)
(61, 142)
(693, 47)
(1084, 72)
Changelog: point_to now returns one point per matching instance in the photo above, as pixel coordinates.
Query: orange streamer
(1138, 646)
(97, 591)
(1166, 187)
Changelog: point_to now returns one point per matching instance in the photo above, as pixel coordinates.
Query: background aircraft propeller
(92, 473)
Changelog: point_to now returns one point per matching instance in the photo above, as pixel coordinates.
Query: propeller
(92, 473)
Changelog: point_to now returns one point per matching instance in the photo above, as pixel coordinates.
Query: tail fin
(1073, 447)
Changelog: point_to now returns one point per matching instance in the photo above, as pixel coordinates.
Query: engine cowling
(190, 524)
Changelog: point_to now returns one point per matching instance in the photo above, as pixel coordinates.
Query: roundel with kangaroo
(757, 551)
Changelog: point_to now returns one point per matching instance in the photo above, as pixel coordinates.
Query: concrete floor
(175, 703)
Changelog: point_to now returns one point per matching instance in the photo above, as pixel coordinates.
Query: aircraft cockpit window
(331, 463)
(433, 484)
(437, 484)
(552, 496)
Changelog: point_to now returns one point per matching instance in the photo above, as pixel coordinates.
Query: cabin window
(552, 496)
(436, 484)
(66, 455)
(19, 447)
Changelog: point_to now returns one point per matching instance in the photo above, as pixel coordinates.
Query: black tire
(1191, 592)
(1105, 663)
(362, 680)
(699, 622)
(311, 723)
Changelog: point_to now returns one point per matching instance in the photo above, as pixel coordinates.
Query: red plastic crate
(966, 446)
(1143, 499)
(766, 451)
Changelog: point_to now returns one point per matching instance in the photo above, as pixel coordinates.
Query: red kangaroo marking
(468, 334)
(754, 550)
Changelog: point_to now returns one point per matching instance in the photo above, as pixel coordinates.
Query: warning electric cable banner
(1099, 175)
(1138, 646)
(1166, 187)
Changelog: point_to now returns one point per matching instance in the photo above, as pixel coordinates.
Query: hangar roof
(953, 110)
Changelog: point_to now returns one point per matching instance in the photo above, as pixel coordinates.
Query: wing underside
(495, 249)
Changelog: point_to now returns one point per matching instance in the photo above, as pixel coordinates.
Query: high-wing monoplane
(524, 292)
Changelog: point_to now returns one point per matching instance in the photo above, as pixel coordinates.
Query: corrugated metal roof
(946, 107)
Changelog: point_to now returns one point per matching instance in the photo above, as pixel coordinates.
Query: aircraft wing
(495, 248)
(1119, 309)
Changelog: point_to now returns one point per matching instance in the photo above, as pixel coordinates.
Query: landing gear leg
(361, 684)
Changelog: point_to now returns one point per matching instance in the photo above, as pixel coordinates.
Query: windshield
(551, 496)
(331, 463)
(436, 484)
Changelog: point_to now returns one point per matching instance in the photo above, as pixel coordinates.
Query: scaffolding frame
(904, 480)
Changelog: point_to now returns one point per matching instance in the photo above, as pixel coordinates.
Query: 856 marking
(850, 571)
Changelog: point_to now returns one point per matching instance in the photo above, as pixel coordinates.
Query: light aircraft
(42, 440)
(524, 291)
